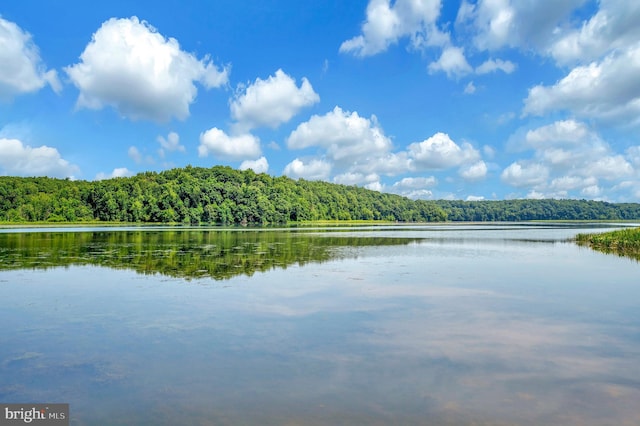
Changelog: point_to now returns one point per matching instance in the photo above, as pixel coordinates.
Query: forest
(223, 195)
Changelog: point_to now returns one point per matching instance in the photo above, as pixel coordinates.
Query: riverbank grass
(625, 242)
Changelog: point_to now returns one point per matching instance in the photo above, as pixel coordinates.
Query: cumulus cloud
(523, 174)
(416, 182)
(344, 135)
(609, 167)
(569, 183)
(131, 67)
(474, 198)
(607, 90)
(569, 159)
(170, 143)
(439, 152)
(351, 178)
(414, 187)
(375, 186)
(216, 142)
(614, 26)
(475, 171)
(116, 173)
(452, 62)
(386, 163)
(22, 70)
(271, 102)
(561, 132)
(313, 169)
(493, 65)
(495, 24)
(261, 165)
(18, 159)
(386, 24)
(592, 191)
(602, 52)
(358, 151)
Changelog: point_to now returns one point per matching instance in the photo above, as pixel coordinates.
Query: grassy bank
(624, 242)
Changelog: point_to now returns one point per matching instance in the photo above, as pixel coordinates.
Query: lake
(475, 324)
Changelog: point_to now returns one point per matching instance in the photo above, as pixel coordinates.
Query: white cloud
(536, 195)
(418, 194)
(495, 24)
(633, 154)
(135, 154)
(569, 183)
(569, 159)
(386, 24)
(591, 191)
(116, 173)
(494, 21)
(521, 174)
(313, 169)
(18, 159)
(216, 142)
(474, 198)
(416, 182)
(345, 135)
(414, 187)
(609, 167)
(606, 90)
(492, 65)
(351, 178)
(561, 132)
(375, 186)
(22, 70)
(614, 26)
(440, 152)
(261, 165)
(470, 88)
(386, 163)
(271, 102)
(170, 143)
(475, 171)
(131, 67)
(359, 151)
(138, 157)
(452, 62)
(489, 151)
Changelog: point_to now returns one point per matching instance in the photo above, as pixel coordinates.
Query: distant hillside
(222, 195)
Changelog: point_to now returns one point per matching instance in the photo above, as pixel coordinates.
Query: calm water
(424, 325)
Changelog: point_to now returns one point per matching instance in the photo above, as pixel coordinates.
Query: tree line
(222, 195)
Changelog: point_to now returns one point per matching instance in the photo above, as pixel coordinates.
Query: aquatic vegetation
(624, 242)
(186, 253)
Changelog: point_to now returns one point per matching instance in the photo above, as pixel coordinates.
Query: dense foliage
(219, 195)
(546, 209)
(222, 195)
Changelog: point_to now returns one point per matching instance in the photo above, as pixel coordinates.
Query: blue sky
(432, 99)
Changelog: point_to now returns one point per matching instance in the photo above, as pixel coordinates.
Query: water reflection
(190, 253)
(488, 328)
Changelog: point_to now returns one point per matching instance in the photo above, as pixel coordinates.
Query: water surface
(438, 325)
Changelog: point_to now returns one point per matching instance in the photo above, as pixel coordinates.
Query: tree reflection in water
(187, 253)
